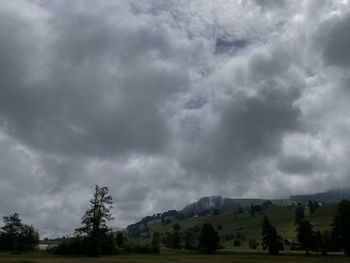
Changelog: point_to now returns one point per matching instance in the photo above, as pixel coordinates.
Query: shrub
(131, 247)
(253, 244)
(236, 242)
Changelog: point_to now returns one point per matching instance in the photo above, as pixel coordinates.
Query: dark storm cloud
(88, 99)
(229, 46)
(165, 102)
(250, 127)
(247, 129)
(336, 51)
(299, 165)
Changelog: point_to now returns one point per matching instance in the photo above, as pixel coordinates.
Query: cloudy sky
(166, 101)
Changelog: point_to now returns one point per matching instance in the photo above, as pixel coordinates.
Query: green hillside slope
(246, 226)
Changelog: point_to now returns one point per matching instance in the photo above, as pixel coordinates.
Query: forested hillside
(236, 228)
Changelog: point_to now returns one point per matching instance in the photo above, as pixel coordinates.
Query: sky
(167, 101)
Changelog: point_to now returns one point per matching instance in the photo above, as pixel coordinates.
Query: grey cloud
(267, 4)
(196, 103)
(249, 129)
(165, 102)
(97, 94)
(299, 165)
(229, 46)
(336, 51)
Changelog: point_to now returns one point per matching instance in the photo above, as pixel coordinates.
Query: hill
(210, 203)
(329, 196)
(243, 226)
(215, 204)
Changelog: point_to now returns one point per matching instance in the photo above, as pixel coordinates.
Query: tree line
(95, 238)
(309, 240)
(17, 237)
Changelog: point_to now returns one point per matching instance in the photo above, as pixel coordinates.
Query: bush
(80, 245)
(253, 244)
(71, 246)
(236, 242)
(108, 245)
(131, 247)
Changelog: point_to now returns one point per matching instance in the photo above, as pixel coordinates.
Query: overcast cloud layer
(168, 101)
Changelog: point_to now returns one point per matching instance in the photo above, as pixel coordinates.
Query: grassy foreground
(175, 257)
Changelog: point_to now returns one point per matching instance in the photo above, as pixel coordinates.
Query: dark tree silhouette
(119, 239)
(253, 244)
(341, 226)
(299, 213)
(156, 241)
(252, 211)
(313, 206)
(209, 239)
(96, 218)
(189, 238)
(326, 242)
(270, 239)
(176, 237)
(305, 235)
(16, 236)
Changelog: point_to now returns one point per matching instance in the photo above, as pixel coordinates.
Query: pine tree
(155, 242)
(270, 239)
(189, 238)
(305, 235)
(176, 237)
(96, 218)
(299, 213)
(209, 239)
(341, 226)
(119, 239)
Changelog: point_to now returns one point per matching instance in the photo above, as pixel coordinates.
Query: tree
(209, 239)
(270, 239)
(341, 226)
(326, 242)
(189, 238)
(313, 206)
(119, 239)
(167, 239)
(108, 244)
(252, 211)
(17, 237)
(96, 218)
(156, 241)
(253, 244)
(299, 213)
(176, 237)
(305, 235)
(267, 204)
(236, 242)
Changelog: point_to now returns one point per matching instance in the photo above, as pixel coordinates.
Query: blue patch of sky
(196, 103)
(224, 46)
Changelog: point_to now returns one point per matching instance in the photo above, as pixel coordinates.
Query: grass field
(175, 258)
